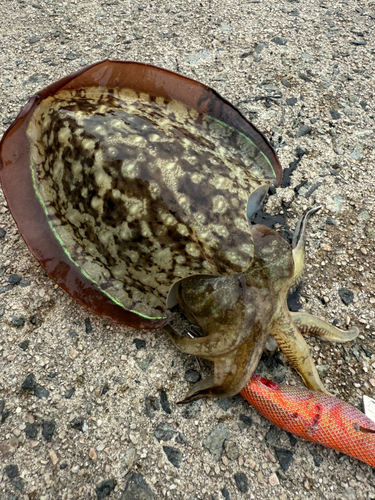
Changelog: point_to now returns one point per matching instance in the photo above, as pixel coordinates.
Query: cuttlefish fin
(311, 325)
(298, 246)
(294, 346)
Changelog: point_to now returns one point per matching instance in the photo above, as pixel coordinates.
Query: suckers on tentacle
(314, 416)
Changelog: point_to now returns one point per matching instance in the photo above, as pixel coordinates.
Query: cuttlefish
(238, 313)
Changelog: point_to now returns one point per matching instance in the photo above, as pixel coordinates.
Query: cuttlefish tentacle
(298, 248)
(294, 346)
(311, 325)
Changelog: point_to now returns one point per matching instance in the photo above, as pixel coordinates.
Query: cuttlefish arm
(298, 248)
(231, 372)
(294, 346)
(311, 325)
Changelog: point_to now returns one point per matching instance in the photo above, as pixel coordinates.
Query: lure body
(314, 416)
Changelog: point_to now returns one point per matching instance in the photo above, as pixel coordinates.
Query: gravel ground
(88, 409)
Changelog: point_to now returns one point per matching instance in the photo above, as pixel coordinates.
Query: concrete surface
(303, 72)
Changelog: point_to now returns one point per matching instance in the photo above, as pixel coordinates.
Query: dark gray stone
(317, 460)
(69, 393)
(335, 115)
(242, 482)
(41, 392)
(292, 439)
(105, 488)
(137, 489)
(285, 457)
(14, 279)
(260, 47)
(18, 322)
(291, 101)
(273, 435)
(164, 432)
(173, 455)
(24, 345)
(225, 494)
(346, 295)
(33, 39)
(367, 351)
(214, 441)
(31, 430)
(279, 40)
(2, 233)
(139, 344)
(88, 326)
(164, 402)
(246, 419)
(5, 415)
(304, 130)
(48, 428)
(2, 405)
(285, 83)
(29, 382)
(18, 484)
(145, 363)
(12, 471)
(192, 376)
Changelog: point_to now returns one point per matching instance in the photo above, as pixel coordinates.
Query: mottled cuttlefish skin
(143, 192)
(238, 313)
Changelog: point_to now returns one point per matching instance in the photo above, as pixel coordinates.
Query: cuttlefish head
(236, 314)
(273, 264)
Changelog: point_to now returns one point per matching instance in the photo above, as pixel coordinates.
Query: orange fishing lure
(314, 416)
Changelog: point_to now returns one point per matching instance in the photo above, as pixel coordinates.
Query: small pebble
(14, 279)
(192, 376)
(173, 455)
(139, 343)
(279, 40)
(273, 479)
(12, 471)
(242, 482)
(346, 295)
(29, 382)
(53, 457)
(137, 488)
(285, 457)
